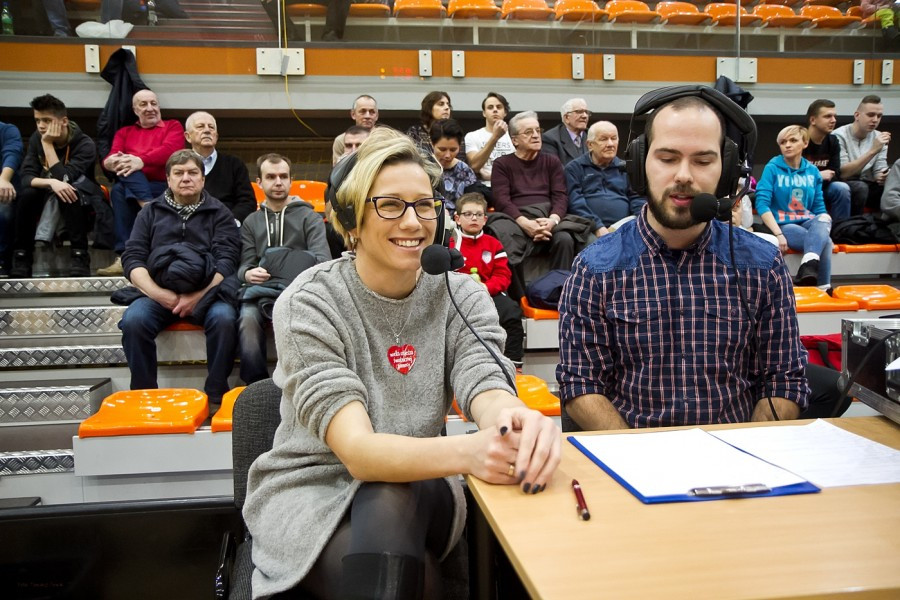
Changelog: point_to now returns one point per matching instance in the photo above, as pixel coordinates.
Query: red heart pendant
(402, 358)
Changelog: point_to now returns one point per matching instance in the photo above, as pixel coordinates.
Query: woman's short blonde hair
(797, 130)
(384, 147)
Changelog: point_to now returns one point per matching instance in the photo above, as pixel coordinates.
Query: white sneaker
(113, 270)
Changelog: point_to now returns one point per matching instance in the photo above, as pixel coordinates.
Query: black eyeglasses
(389, 207)
(472, 215)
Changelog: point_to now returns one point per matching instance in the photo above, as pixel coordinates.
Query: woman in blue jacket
(789, 200)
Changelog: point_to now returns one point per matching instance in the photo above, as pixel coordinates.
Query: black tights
(411, 519)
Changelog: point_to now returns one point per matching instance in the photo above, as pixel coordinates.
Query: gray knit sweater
(333, 335)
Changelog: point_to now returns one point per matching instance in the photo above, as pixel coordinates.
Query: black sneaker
(80, 263)
(808, 274)
(21, 265)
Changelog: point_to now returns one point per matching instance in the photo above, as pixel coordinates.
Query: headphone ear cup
(635, 155)
(440, 232)
(731, 169)
(346, 215)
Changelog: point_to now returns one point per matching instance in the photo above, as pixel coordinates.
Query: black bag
(544, 292)
(863, 229)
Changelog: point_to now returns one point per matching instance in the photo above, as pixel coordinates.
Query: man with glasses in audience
(568, 140)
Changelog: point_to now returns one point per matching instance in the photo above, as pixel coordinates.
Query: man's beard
(672, 217)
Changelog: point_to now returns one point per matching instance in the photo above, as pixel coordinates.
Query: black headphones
(346, 215)
(734, 157)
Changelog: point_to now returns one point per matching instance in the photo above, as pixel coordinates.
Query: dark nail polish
(543, 487)
(526, 487)
(521, 476)
(503, 430)
(536, 489)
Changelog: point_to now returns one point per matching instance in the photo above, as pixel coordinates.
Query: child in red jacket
(486, 257)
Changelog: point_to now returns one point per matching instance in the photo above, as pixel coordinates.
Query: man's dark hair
(680, 104)
(182, 157)
(499, 97)
(446, 129)
(49, 104)
(871, 99)
(273, 158)
(428, 103)
(357, 129)
(816, 106)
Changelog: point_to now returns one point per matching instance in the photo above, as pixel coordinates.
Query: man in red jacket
(486, 259)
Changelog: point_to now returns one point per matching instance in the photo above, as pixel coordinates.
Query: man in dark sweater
(227, 178)
(824, 151)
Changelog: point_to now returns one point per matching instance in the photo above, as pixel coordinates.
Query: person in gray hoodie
(284, 225)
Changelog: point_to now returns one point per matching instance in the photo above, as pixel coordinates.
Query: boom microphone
(706, 207)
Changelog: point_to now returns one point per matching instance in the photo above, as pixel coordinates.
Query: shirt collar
(656, 244)
(471, 237)
(209, 162)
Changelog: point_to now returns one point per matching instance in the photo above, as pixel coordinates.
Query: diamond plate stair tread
(34, 462)
(34, 402)
(65, 356)
(99, 286)
(57, 321)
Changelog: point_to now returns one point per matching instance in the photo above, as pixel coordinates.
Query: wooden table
(844, 540)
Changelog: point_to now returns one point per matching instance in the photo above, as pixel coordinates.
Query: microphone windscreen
(457, 260)
(437, 260)
(704, 208)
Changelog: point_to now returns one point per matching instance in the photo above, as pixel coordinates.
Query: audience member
(890, 200)
(58, 161)
(278, 242)
(530, 200)
(824, 152)
(597, 183)
(887, 13)
(335, 18)
(183, 246)
(567, 140)
(485, 145)
(652, 327)
(137, 158)
(864, 154)
(365, 115)
(10, 160)
(435, 107)
(446, 138)
(350, 141)
(227, 179)
(486, 261)
(360, 496)
(789, 202)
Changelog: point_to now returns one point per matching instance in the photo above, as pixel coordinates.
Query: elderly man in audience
(530, 200)
(597, 183)
(183, 246)
(567, 141)
(137, 158)
(59, 167)
(10, 161)
(864, 154)
(278, 242)
(227, 178)
(485, 145)
(824, 152)
(364, 114)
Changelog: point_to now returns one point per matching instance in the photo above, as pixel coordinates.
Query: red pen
(579, 497)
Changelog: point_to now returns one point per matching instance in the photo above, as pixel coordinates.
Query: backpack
(544, 292)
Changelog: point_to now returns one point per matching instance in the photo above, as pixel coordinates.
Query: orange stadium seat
(221, 421)
(782, 2)
(722, 13)
(473, 9)
(630, 11)
(829, 17)
(857, 11)
(140, 412)
(527, 10)
(184, 326)
(578, 10)
(870, 297)
(536, 395)
(824, 2)
(258, 193)
(538, 314)
(866, 248)
(682, 13)
(310, 191)
(305, 10)
(812, 299)
(370, 10)
(775, 15)
(419, 9)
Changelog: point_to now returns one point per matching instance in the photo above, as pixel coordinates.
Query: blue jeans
(252, 333)
(124, 197)
(110, 9)
(813, 236)
(58, 17)
(837, 199)
(145, 318)
(6, 231)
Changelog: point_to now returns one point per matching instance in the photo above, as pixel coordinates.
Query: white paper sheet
(820, 452)
(671, 463)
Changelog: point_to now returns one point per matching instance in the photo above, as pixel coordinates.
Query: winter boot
(808, 274)
(80, 263)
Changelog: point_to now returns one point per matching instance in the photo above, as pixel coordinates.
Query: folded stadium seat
(578, 10)
(310, 191)
(419, 9)
(539, 314)
(305, 10)
(630, 11)
(258, 193)
(824, 2)
(473, 9)
(183, 326)
(856, 11)
(533, 391)
(682, 13)
(221, 421)
(812, 299)
(370, 10)
(723, 14)
(525, 10)
(775, 15)
(781, 2)
(829, 17)
(866, 248)
(870, 297)
(140, 412)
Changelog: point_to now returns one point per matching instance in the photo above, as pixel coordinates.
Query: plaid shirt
(662, 333)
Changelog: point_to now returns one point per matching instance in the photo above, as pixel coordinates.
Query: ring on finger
(511, 471)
